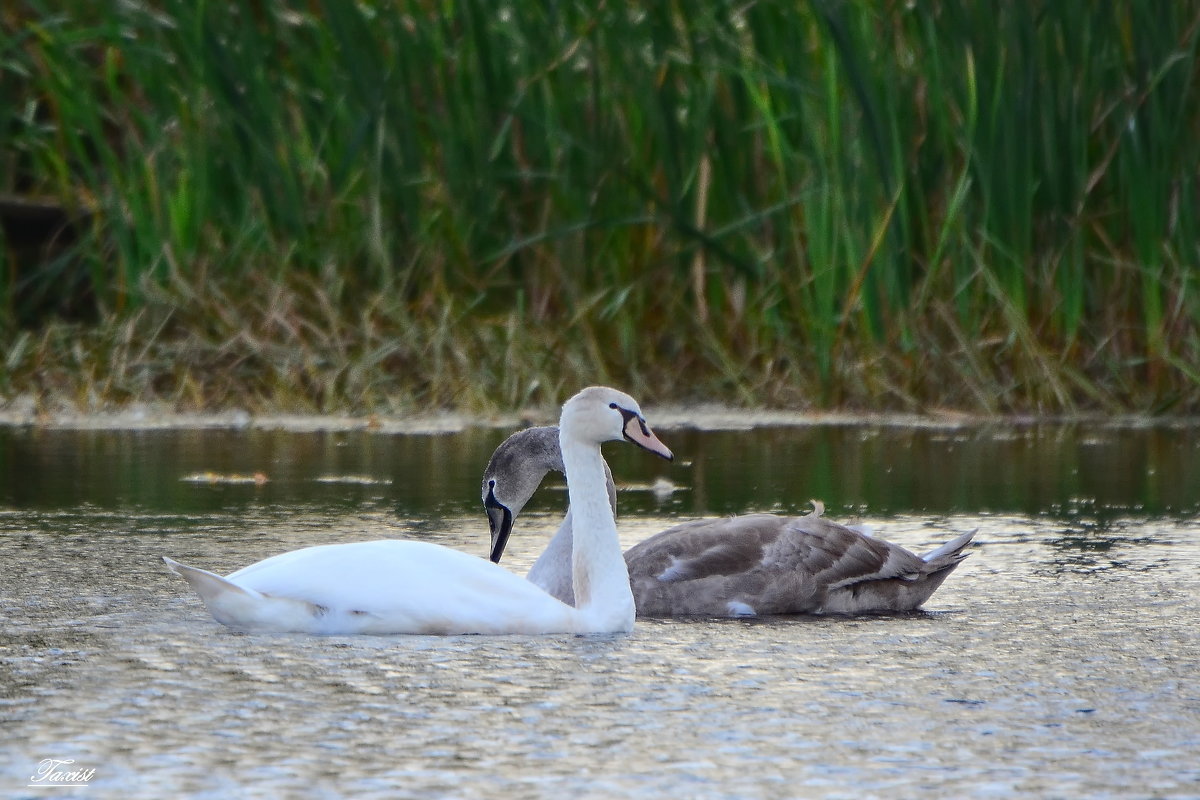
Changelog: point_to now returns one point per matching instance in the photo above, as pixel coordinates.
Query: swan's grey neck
(599, 576)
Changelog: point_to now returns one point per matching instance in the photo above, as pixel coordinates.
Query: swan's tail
(240, 607)
(949, 554)
(939, 563)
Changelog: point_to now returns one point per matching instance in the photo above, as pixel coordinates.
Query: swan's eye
(492, 483)
(612, 405)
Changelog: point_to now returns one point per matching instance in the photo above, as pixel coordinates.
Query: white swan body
(386, 587)
(756, 564)
(379, 587)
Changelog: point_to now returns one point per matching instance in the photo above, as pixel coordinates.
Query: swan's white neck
(599, 576)
(552, 570)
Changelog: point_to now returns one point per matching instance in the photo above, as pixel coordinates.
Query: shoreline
(709, 417)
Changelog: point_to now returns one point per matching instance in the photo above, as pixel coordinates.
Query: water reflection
(1069, 471)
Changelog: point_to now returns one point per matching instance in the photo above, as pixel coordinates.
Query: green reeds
(377, 205)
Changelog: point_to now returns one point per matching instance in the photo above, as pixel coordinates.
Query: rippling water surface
(1062, 659)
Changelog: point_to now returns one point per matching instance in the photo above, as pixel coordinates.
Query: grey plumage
(780, 565)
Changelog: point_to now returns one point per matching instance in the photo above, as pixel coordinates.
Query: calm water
(1062, 659)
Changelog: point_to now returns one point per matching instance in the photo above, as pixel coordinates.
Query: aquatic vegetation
(385, 205)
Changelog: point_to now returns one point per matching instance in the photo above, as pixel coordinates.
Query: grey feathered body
(766, 564)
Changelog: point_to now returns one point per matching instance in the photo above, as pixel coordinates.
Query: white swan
(734, 566)
(416, 587)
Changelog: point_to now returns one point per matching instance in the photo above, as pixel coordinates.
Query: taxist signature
(58, 772)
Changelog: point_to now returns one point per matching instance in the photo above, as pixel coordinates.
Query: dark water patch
(1073, 472)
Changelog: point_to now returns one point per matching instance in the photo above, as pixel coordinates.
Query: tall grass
(894, 205)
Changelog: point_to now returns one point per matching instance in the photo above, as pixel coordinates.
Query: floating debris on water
(257, 478)
(359, 480)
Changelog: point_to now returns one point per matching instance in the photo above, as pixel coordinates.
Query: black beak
(500, 522)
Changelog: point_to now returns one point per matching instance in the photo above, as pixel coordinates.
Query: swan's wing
(838, 556)
(758, 564)
(828, 552)
(408, 586)
(704, 548)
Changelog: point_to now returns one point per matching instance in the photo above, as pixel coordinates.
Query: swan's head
(600, 414)
(513, 475)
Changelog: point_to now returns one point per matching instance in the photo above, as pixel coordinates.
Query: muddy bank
(24, 412)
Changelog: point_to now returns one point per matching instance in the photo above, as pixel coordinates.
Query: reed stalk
(377, 205)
